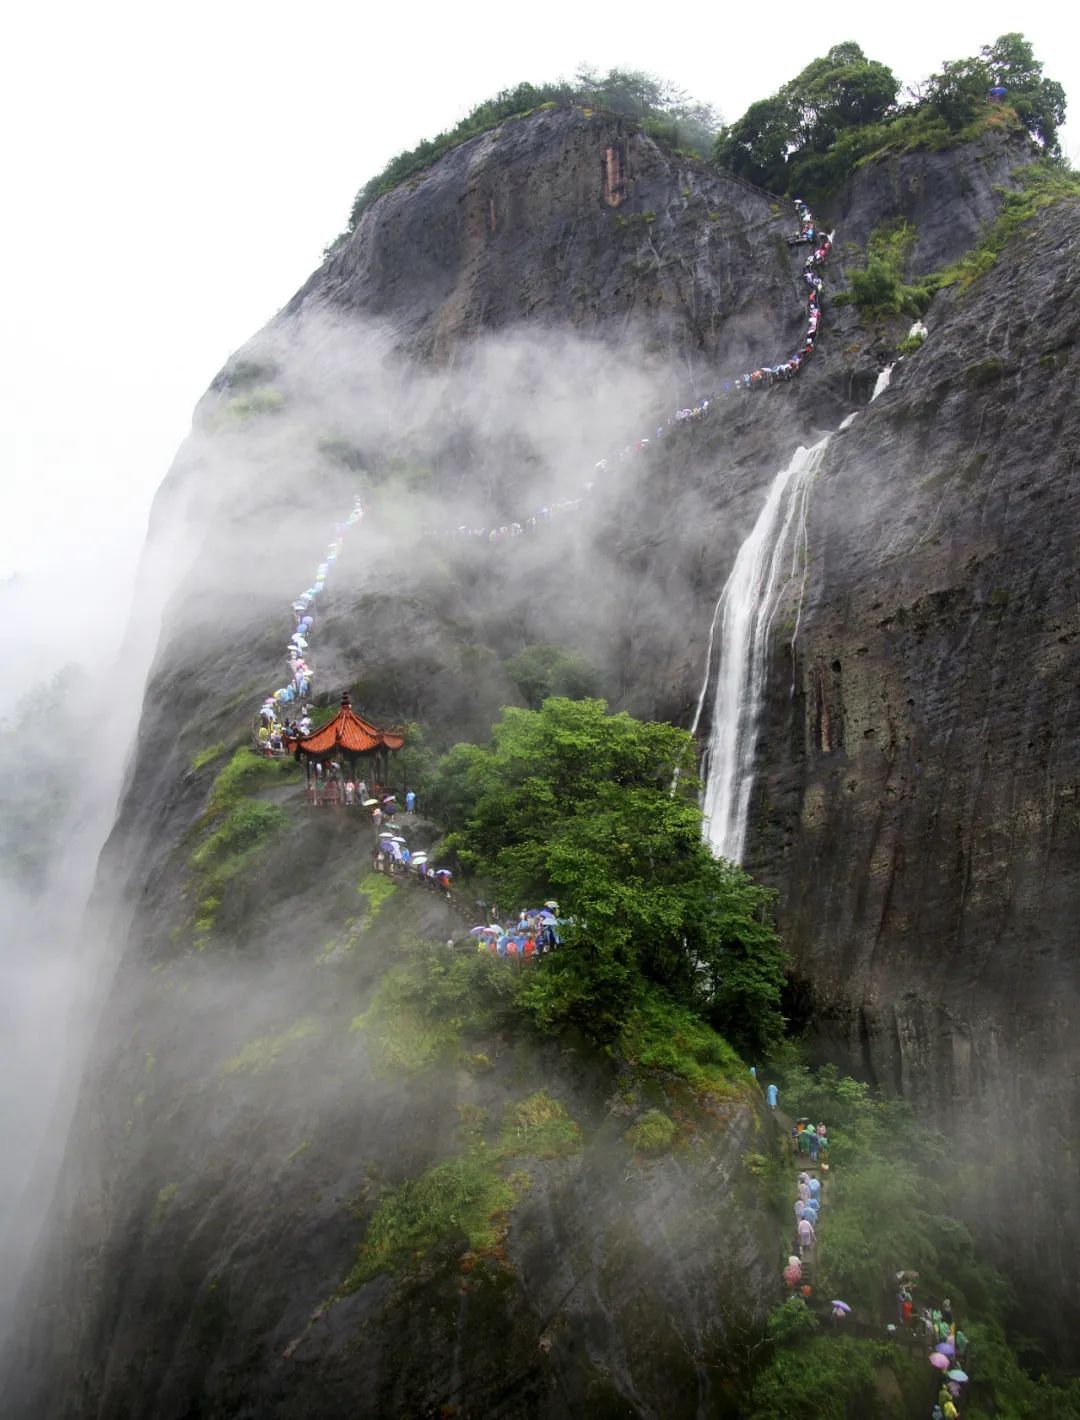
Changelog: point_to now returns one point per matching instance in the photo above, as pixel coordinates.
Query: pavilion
(350, 737)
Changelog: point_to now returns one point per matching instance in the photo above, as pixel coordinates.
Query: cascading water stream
(744, 615)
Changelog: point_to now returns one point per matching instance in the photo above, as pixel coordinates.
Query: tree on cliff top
(960, 89)
(574, 803)
(815, 129)
(840, 91)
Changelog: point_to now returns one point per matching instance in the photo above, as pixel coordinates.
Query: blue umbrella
(843, 1306)
(957, 1375)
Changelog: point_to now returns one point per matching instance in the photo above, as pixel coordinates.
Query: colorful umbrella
(939, 1361)
(843, 1306)
(946, 1348)
(957, 1374)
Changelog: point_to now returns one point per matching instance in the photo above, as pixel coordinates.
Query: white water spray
(745, 614)
(881, 384)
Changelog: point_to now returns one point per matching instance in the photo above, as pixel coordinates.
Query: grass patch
(260, 1054)
(376, 887)
(424, 1008)
(653, 1133)
(464, 1195)
(662, 1036)
(300, 1149)
(1041, 185)
(207, 756)
(246, 773)
(244, 824)
(879, 290)
(162, 1204)
(263, 400)
(540, 1127)
(470, 1194)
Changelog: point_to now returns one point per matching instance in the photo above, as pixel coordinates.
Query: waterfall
(744, 617)
(881, 384)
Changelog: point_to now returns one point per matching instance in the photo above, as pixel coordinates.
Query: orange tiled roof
(349, 732)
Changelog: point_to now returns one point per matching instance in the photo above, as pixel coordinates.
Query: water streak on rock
(744, 615)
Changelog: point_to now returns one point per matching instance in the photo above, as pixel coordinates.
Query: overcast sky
(171, 175)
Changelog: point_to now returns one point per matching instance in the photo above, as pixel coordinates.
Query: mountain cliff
(274, 1069)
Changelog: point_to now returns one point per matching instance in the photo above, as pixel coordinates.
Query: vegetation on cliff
(599, 812)
(880, 288)
(889, 1208)
(843, 109)
(662, 109)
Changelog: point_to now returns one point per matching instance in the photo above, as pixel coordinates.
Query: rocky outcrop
(253, 1103)
(917, 798)
(912, 804)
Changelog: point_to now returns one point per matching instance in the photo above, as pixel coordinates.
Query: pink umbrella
(939, 1361)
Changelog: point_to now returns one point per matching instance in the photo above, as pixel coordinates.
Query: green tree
(542, 671)
(841, 90)
(1039, 102)
(961, 89)
(829, 1377)
(574, 803)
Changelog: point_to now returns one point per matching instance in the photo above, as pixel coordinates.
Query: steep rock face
(569, 217)
(177, 1277)
(257, 1100)
(948, 203)
(236, 1132)
(917, 799)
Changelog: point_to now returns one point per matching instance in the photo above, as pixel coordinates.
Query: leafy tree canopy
(842, 90)
(814, 130)
(574, 803)
(961, 88)
(541, 671)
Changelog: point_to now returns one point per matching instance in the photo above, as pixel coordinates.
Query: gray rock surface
(913, 803)
(917, 803)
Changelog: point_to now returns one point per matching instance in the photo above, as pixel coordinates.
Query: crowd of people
(534, 932)
(947, 1346)
(278, 726)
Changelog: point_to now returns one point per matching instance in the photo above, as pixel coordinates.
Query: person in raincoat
(807, 1235)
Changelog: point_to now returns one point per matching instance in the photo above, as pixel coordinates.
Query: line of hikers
(808, 233)
(274, 727)
(947, 1346)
